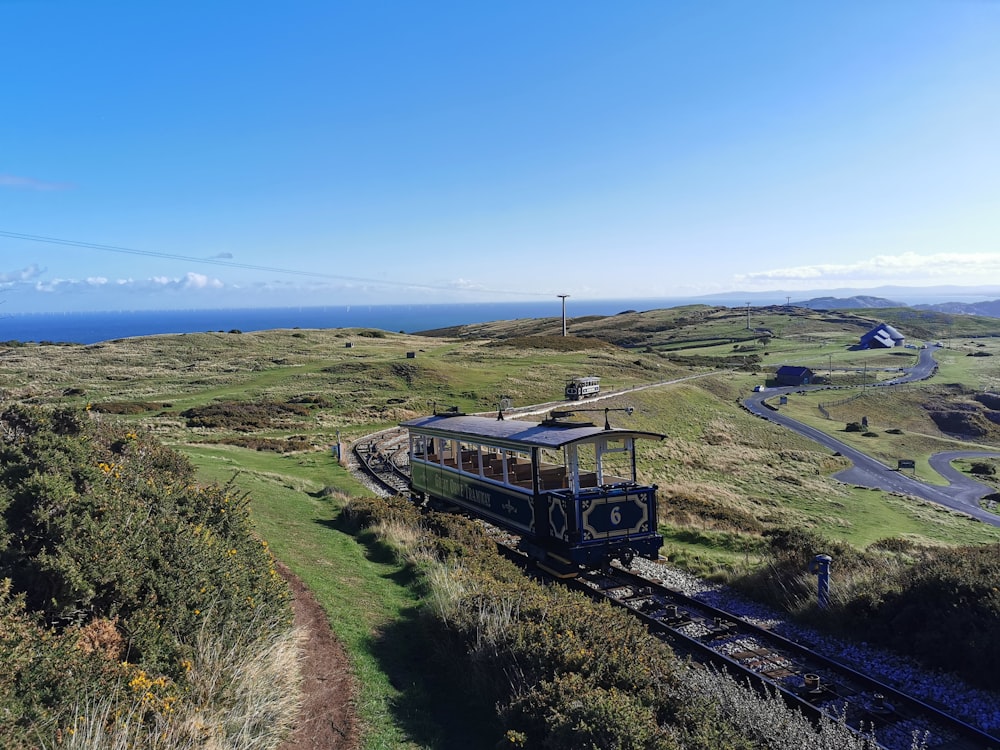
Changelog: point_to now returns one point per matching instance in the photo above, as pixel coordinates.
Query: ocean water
(91, 327)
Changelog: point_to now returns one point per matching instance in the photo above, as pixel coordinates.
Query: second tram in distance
(578, 388)
(568, 489)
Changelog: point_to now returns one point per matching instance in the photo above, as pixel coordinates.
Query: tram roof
(534, 434)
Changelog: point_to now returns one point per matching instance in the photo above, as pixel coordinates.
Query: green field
(263, 409)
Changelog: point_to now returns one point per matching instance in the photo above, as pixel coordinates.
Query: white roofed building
(882, 336)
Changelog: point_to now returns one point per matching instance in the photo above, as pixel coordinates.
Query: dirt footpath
(328, 719)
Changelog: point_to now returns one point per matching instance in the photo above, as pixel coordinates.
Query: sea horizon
(91, 327)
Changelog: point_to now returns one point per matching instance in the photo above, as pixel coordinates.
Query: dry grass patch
(240, 696)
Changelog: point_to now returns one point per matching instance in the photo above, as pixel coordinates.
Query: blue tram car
(578, 388)
(568, 489)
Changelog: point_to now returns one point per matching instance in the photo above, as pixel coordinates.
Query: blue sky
(263, 154)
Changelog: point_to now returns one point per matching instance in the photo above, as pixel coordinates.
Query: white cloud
(200, 281)
(23, 274)
(465, 285)
(190, 281)
(30, 183)
(965, 268)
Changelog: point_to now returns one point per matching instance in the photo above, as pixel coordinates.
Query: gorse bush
(115, 564)
(961, 587)
(567, 673)
(909, 598)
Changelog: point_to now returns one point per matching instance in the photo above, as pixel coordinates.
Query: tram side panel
(513, 510)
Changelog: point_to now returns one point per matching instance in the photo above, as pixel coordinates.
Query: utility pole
(748, 315)
(563, 298)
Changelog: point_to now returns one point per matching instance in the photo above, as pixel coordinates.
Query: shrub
(571, 712)
(243, 415)
(960, 587)
(887, 592)
(116, 564)
(126, 407)
(568, 673)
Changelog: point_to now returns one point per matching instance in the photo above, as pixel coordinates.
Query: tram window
(550, 456)
(616, 446)
(470, 457)
(517, 457)
(616, 460)
(492, 462)
(418, 448)
(587, 457)
(448, 452)
(518, 468)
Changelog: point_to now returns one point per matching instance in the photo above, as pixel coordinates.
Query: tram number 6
(616, 515)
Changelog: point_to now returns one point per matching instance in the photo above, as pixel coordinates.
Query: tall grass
(768, 722)
(241, 695)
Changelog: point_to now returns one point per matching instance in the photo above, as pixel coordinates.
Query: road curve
(961, 484)
(962, 494)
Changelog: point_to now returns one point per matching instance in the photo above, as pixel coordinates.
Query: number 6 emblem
(616, 515)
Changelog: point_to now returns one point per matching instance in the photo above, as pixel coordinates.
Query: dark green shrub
(126, 407)
(953, 591)
(243, 415)
(103, 533)
(45, 672)
(571, 713)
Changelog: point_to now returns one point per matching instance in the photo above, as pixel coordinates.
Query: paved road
(962, 494)
(961, 484)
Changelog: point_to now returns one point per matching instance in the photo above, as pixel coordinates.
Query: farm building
(882, 336)
(791, 375)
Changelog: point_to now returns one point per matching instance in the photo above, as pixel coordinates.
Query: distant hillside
(848, 303)
(865, 302)
(988, 309)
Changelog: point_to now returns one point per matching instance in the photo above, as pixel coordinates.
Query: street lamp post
(563, 298)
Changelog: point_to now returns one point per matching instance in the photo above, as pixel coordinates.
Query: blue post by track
(820, 567)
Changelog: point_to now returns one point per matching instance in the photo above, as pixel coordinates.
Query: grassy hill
(726, 477)
(262, 409)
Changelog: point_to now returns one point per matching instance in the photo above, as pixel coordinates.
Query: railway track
(817, 684)
(806, 679)
(383, 457)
